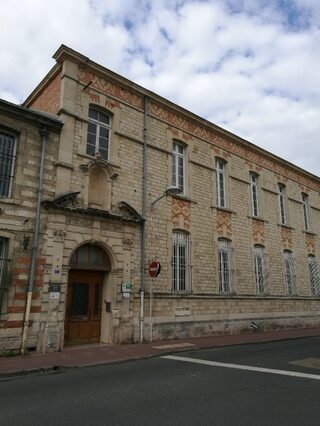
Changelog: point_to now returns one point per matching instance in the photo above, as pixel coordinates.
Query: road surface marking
(175, 346)
(243, 367)
(308, 362)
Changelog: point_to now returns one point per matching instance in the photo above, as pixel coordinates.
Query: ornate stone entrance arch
(89, 267)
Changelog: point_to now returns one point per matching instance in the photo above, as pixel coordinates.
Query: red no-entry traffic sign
(154, 269)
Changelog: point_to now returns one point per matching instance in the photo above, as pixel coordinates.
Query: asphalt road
(211, 388)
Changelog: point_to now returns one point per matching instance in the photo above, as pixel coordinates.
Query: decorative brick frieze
(258, 231)
(180, 216)
(310, 243)
(224, 226)
(286, 236)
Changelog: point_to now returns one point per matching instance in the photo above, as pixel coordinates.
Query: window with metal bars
(314, 275)
(178, 166)
(290, 272)
(260, 269)
(7, 161)
(282, 204)
(98, 138)
(221, 182)
(180, 262)
(305, 207)
(254, 180)
(4, 268)
(225, 266)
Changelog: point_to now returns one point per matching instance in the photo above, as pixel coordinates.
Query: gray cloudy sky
(250, 66)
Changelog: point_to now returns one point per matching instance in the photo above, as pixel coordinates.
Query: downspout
(44, 133)
(144, 211)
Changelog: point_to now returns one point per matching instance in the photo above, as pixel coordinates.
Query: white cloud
(250, 66)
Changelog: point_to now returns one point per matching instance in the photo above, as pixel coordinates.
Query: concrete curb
(58, 368)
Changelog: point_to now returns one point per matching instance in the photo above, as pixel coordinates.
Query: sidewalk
(90, 355)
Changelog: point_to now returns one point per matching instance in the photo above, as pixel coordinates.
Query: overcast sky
(250, 66)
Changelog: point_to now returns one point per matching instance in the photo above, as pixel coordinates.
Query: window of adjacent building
(225, 266)
(98, 139)
(254, 194)
(290, 272)
(7, 161)
(260, 269)
(181, 280)
(314, 275)
(282, 204)
(221, 182)
(3, 267)
(305, 207)
(178, 166)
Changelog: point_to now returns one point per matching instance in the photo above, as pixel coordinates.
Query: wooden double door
(84, 305)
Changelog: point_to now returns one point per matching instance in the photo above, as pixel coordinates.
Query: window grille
(282, 204)
(178, 166)
(305, 206)
(261, 270)
(290, 272)
(7, 162)
(98, 138)
(220, 183)
(225, 266)
(254, 194)
(181, 273)
(314, 276)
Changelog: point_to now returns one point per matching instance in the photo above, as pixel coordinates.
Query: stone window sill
(281, 225)
(258, 218)
(223, 209)
(309, 233)
(9, 201)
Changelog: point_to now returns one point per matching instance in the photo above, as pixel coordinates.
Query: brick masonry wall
(204, 310)
(49, 99)
(17, 225)
(163, 127)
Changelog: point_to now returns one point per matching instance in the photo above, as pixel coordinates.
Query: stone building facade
(238, 246)
(21, 143)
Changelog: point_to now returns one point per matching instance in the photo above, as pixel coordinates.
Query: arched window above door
(90, 256)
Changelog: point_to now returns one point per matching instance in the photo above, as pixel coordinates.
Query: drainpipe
(144, 210)
(43, 133)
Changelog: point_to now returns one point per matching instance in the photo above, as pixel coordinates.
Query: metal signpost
(154, 271)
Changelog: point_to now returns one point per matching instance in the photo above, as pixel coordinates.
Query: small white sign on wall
(54, 295)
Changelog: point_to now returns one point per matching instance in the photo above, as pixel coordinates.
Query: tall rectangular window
(282, 204)
(305, 207)
(314, 275)
(7, 161)
(260, 269)
(225, 266)
(178, 166)
(98, 138)
(254, 194)
(181, 280)
(220, 183)
(290, 272)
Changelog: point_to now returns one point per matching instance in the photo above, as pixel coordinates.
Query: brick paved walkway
(89, 355)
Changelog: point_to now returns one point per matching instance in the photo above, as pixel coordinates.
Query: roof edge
(31, 114)
(42, 85)
(64, 52)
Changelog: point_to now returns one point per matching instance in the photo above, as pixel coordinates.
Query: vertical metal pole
(150, 313)
(44, 133)
(144, 211)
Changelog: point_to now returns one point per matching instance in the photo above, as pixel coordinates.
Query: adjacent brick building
(238, 247)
